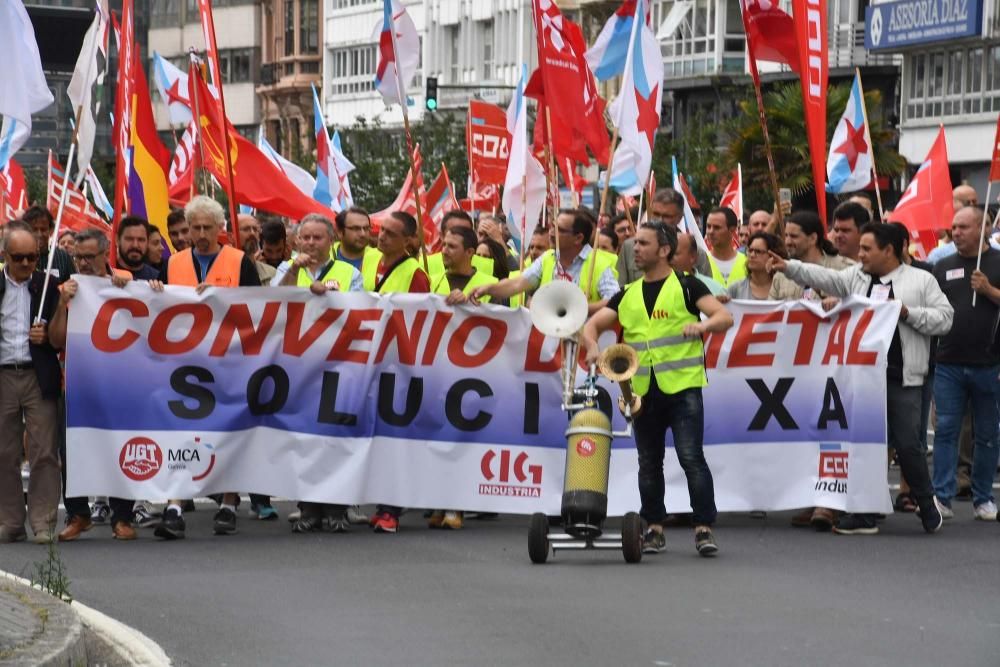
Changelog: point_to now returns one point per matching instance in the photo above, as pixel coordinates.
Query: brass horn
(619, 363)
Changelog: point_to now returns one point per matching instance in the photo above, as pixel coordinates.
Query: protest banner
(360, 398)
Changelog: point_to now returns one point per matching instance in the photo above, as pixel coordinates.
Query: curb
(56, 637)
(130, 645)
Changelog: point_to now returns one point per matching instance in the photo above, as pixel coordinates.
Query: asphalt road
(775, 596)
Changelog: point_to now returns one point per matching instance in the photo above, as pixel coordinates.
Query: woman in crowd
(67, 241)
(489, 248)
(757, 285)
(608, 239)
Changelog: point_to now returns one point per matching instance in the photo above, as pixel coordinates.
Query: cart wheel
(632, 537)
(538, 538)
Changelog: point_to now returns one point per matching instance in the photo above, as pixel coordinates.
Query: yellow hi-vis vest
(677, 362)
(340, 271)
(369, 265)
(604, 259)
(435, 265)
(440, 284)
(517, 300)
(401, 277)
(738, 273)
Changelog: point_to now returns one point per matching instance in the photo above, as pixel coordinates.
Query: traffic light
(431, 96)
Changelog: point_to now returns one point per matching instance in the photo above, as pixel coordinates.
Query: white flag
(81, 86)
(299, 177)
(23, 90)
(523, 168)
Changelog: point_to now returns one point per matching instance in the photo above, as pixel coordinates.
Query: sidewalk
(38, 629)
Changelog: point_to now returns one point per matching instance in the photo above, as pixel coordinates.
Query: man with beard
(178, 230)
(250, 240)
(355, 228)
(274, 248)
(132, 240)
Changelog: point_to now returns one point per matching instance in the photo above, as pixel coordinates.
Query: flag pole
(868, 138)
(614, 139)
(194, 70)
(762, 114)
(982, 233)
(415, 176)
(234, 210)
(551, 166)
(739, 174)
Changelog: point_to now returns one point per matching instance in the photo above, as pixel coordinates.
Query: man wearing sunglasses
(30, 384)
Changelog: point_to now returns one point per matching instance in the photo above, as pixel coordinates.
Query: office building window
(486, 39)
(164, 13)
(289, 27)
(309, 27)
(353, 70)
(237, 65)
(345, 4)
(958, 82)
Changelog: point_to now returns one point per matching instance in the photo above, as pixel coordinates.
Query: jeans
(684, 414)
(953, 387)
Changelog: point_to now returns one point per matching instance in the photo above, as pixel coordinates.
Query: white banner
(357, 398)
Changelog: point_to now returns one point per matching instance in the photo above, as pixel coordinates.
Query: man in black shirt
(968, 362)
(43, 224)
(133, 238)
(667, 339)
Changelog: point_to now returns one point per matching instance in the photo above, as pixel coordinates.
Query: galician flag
(302, 179)
(522, 206)
(610, 50)
(688, 225)
(23, 90)
(849, 166)
(399, 53)
(636, 110)
(332, 188)
(81, 87)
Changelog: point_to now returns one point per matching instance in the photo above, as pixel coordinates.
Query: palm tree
(786, 126)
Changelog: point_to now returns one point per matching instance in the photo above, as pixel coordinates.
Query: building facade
(175, 27)
(950, 75)
(291, 61)
(472, 44)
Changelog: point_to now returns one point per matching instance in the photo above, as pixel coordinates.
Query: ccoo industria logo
(832, 468)
(140, 459)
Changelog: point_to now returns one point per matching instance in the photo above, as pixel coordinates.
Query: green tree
(786, 126)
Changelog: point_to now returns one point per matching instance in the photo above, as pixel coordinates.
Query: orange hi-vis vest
(224, 272)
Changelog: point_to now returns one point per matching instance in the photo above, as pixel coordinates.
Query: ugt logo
(832, 461)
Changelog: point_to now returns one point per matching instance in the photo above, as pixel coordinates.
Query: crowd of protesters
(944, 356)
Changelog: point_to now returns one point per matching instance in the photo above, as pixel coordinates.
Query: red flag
(809, 17)
(488, 143)
(14, 190)
(487, 199)
(123, 113)
(563, 75)
(692, 202)
(78, 213)
(995, 164)
(927, 204)
(770, 34)
(258, 181)
(211, 48)
(731, 196)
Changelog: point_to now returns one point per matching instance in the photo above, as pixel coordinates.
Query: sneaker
(224, 522)
(264, 512)
(934, 517)
(384, 522)
(985, 511)
(171, 526)
(704, 542)
(100, 513)
(309, 524)
(436, 519)
(356, 516)
(339, 524)
(297, 514)
(945, 510)
(856, 524)
(143, 517)
(452, 520)
(654, 542)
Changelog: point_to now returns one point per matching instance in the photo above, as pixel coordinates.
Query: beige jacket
(783, 289)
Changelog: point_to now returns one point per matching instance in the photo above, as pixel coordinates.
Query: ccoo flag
(399, 53)
(637, 108)
(524, 187)
(849, 166)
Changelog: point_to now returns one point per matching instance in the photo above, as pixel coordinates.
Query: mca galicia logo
(196, 457)
(140, 459)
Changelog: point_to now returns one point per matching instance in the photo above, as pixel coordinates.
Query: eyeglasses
(17, 258)
(86, 258)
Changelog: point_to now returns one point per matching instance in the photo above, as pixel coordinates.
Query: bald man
(964, 195)
(758, 221)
